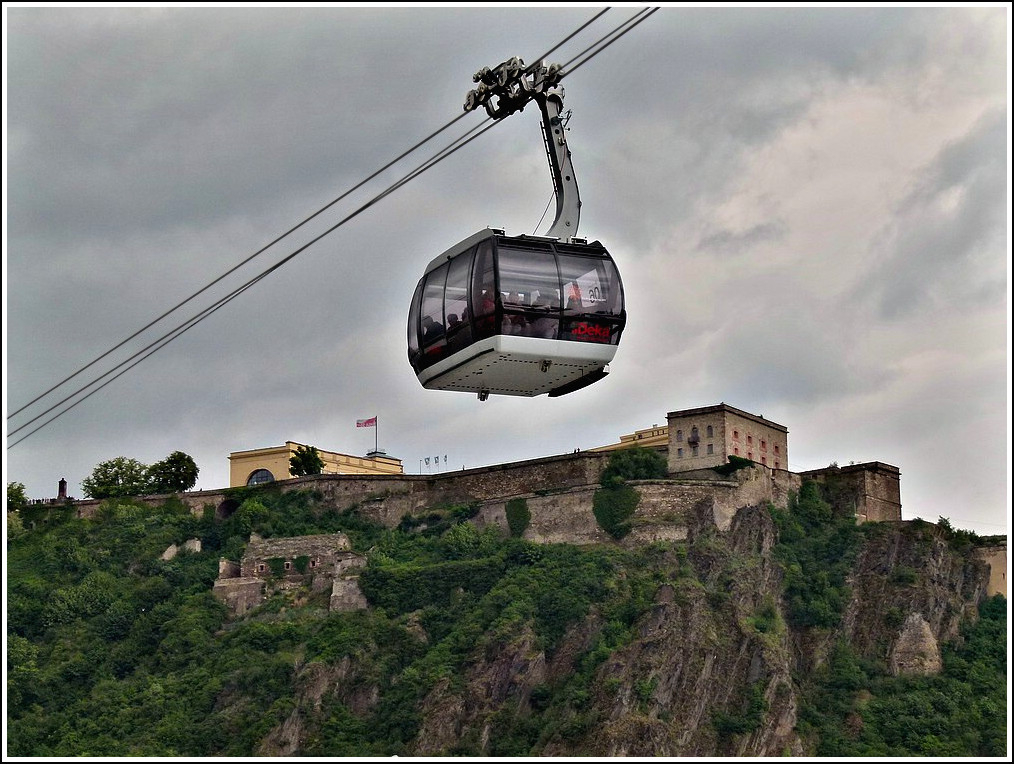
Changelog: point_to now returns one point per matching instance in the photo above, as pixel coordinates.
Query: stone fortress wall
(559, 490)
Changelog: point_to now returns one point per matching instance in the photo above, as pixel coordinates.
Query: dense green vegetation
(615, 502)
(125, 477)
(115, 652)
(853, 707)
(16, 496)
(518, 516)
(734, 464)
(306, 461)
(817, 547)
(634, 463)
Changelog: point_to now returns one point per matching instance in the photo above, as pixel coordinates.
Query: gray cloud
(939, 247)
(772, 257)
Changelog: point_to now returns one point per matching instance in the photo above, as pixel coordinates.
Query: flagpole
(376, 437)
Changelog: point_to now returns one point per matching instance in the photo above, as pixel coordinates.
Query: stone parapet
(239, 594)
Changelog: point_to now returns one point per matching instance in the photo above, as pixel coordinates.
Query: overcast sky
(808, 208)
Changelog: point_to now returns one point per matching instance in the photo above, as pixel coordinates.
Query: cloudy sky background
(808, 207)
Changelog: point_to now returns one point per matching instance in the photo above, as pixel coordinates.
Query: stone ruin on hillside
(271, 565)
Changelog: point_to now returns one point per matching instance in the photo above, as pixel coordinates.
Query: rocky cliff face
(713, 667)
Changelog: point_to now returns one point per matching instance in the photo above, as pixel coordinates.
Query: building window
(735, 434)
(260, 567)
(764, 445)
(764, 460)
(749, 440)
(776, 449)
(711, 431)
(259, 476)
(736, 449)
(711, 448)
(679, 436)
(695, 450)
(679, 453)
(749, 455)
(777, 466)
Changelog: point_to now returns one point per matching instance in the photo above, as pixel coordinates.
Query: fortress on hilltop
(558, 491)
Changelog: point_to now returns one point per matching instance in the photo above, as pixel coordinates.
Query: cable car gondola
(519, 315)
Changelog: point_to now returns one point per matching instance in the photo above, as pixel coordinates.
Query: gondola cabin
(516, 315)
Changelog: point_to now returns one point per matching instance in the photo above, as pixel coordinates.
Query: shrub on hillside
(634, 463)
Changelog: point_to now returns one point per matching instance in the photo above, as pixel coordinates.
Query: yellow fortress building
(263, 465)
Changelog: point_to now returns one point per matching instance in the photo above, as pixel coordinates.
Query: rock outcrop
(714, 665)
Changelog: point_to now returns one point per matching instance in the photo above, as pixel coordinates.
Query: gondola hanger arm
(509, 87)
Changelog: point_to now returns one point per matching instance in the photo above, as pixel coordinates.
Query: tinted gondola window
(483, 307)
(591, 286)
(431, 310)
(459, 332)
(531, 282)
(413, 323)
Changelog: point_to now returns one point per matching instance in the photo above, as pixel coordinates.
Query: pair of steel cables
(153, 347)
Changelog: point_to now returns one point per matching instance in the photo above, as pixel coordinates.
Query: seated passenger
(431, 329)
(484, 319)
(547, 325)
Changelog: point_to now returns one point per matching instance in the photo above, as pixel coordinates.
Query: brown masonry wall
(559, 489)
(409, 493)
(239, 594)
(875, 488)
(567, 516)
(560, 485)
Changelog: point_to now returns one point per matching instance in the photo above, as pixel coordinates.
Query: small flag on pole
(371, 422)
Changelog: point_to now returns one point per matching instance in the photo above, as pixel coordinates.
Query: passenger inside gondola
(513, 321)
(475, 313)
(431, 329)
(546, 325)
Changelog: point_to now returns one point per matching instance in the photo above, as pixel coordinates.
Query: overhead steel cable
(275, 241)
(169, 336)
(176, 333)
(534, 66)
(237, 266)
(619, 32)
(200, 316)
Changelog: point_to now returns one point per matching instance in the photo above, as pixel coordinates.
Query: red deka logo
(590, 332)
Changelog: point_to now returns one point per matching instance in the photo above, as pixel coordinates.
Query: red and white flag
(371, 422)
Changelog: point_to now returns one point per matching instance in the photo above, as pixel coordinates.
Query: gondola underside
(521, 366)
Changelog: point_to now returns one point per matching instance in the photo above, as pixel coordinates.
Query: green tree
(16, 496)
(121, 476)
(518, 517)
(613, 507)
(635, 463)
(174, 474)
(306, 461)
(15, 526)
